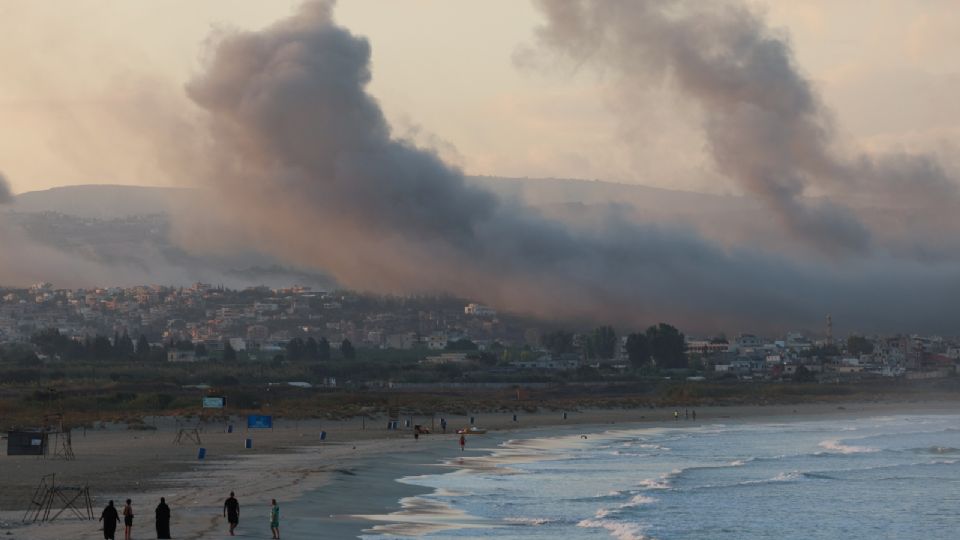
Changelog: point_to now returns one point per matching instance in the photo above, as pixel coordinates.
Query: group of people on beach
(231, 510)
(686, 414)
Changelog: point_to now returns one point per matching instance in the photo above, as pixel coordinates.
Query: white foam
(528, 521)
(617, 529)
(654, 483)
(833, 445)
(787, 476)
(641, 499)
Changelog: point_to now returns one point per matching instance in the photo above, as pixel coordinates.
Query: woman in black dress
(163, 519)
(110, 518)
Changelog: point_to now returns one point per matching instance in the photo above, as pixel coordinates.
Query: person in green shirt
(275, 519)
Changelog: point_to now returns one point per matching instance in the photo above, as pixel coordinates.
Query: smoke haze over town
(767, 212)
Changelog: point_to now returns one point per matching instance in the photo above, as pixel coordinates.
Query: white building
(479, 310)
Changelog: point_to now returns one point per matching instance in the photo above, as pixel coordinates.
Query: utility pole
(829, 330)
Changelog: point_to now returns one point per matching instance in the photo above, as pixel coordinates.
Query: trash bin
(248, 443)
(202, 453)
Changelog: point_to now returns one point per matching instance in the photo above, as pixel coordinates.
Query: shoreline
(357, 471)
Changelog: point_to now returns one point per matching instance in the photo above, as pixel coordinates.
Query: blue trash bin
(323, 435)
(202, 453)
(248, 443)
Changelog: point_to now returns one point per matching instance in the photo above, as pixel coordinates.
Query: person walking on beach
(463, 442)
(275, 519)
(676, 415)
(163, 519)
(127, 520)
(694, 414)
(231, 509)
(110, 518)
(443, 424)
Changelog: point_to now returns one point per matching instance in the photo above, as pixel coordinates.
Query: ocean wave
(533, 522)
(783, 477)
(791, 476)
(834, 446)
(654, 483)
(937, 450)
(635, 501)
(617, 529)
(638, 500)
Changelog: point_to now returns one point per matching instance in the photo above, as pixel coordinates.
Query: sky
(92, 90)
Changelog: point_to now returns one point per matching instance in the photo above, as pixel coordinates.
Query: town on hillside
(213, 323)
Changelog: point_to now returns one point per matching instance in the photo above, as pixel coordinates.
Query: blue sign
(257, 421)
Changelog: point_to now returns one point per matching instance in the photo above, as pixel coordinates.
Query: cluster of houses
(751, 357)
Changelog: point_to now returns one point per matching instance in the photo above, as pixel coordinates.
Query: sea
(871, 477)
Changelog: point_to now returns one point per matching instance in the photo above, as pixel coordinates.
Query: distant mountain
(126, 229)
(120, 235)
(101, 201)
(114, 201)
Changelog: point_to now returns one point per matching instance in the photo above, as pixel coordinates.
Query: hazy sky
(90, 90)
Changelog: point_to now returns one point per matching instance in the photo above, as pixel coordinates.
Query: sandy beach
(350, 475)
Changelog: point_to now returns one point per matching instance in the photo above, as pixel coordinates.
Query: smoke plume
(764, 124)
(6, 196)
(309, 171)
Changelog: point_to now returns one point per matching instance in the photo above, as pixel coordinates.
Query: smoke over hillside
(303, 156)
(5, 195)
(763, 122)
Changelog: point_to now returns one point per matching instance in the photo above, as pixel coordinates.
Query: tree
(229, 353)
(346, 349)
(638, 349)
(857, 345)
(667, 346)
(143, 346)
(719, 339)
(803, 375)
(310, 349)
(604, 341)
(124, 347)
(558, 342)
(462, 344)
(295, 349)
(323, 350)
(101, 348)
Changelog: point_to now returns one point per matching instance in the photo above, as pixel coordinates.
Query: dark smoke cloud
(763, 122)
(307, 169)
(6, 196)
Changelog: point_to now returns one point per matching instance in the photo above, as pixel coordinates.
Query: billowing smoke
(6, 196)
(307, 168)
(763, 122)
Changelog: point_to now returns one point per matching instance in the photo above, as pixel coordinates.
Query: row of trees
(599, 344)
(52, 343)
(661, 343)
